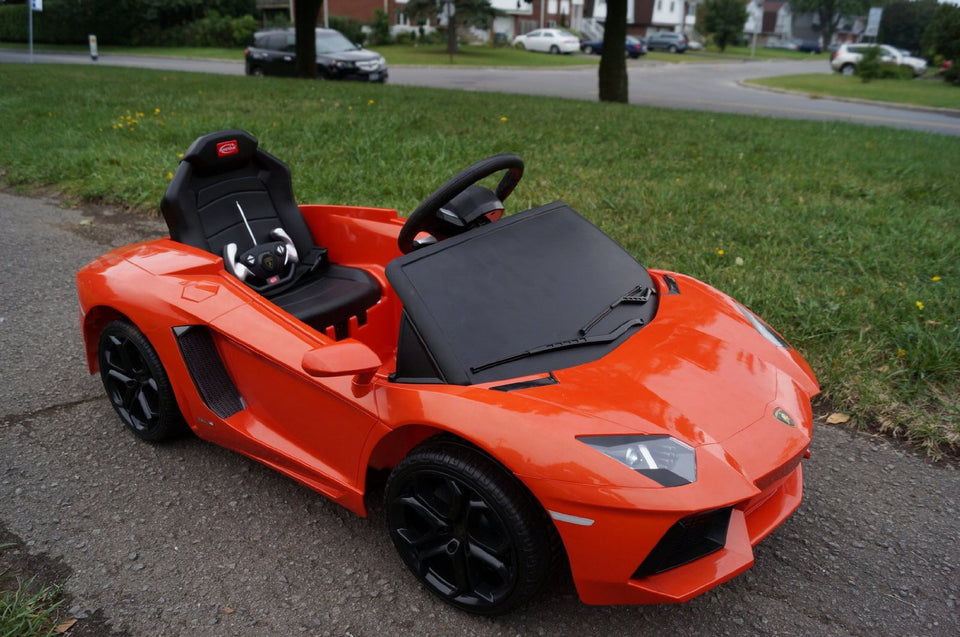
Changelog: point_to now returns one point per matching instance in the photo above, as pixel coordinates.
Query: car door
(314, 428)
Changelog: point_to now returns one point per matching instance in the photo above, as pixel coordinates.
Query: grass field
(843, 237)
(922, 92)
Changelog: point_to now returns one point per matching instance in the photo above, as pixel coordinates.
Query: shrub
(380, 27)
(350, 27)
(868, 68)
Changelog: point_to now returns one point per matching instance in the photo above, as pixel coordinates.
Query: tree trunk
(305, 24)
(613, 61)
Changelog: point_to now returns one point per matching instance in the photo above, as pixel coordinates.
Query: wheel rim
(130, 384)
(452, 538)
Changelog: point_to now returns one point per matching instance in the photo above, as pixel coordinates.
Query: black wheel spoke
(117, 375)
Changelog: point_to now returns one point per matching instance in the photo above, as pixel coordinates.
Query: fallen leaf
(65, 626)
(227, 610)
(836, 418)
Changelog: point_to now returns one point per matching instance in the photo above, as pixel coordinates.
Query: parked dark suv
(667, 41)
(273, 53)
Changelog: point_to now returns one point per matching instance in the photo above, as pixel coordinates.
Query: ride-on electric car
(540, 399)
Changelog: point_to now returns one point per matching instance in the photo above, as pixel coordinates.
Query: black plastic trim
(672, 287)
(207, 370)
(527, 384)
(689, 539)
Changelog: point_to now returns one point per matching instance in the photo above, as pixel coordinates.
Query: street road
(190, 539)
(708, 86)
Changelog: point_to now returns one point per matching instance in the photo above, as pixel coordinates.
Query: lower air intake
(689, 539)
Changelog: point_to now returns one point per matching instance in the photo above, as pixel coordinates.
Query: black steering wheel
(427, 217)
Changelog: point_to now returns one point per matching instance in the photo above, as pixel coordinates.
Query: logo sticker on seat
(229, 147)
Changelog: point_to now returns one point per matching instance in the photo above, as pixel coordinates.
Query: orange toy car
(534, 391)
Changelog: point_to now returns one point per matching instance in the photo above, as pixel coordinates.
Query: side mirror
(358, 45)
(343, 358)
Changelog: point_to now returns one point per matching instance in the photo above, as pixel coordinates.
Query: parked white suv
(845, 59)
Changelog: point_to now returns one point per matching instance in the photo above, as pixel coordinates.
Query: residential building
(650, 16)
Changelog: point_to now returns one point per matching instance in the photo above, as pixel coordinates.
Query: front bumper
(609, 548)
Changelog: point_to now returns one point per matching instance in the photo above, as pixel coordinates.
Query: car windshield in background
(334, 43)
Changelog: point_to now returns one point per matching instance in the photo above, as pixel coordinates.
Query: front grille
(372, 65)
(689, 539)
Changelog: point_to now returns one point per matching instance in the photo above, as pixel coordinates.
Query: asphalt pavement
(714, 86)
(190, 539)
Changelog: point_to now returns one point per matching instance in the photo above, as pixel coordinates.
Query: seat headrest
(221, 151)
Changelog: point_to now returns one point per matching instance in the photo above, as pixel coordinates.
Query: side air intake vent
(207, 371)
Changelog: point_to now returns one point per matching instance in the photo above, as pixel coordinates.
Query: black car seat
(233, 199)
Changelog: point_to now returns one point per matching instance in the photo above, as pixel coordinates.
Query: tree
(830, 12)
(942, 39)
(724, 20)
(468, 13)
(903, 23)
(305, 27)
(613, 62)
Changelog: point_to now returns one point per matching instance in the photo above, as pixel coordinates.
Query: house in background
(648, 16)
(520, 16)
(771, 20)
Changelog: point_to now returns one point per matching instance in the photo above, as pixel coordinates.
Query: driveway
(708, 86)
(190, 539)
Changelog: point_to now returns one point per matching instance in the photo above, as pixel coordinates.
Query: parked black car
(668, 41)
(809, 46)
(635, 47)
(273, 53)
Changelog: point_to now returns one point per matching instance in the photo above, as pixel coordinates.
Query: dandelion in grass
(370, 102)
(920, 305)
(156, 111)
(720, 252)
(503, 119)
(169, 176)
(901, 352)
(934, 278)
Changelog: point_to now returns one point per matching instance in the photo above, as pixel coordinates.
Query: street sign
(873, 22)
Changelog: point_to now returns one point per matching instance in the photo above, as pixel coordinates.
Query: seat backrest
(220, 174)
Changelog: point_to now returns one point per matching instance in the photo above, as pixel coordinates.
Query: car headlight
(343, 65)
(663, 459)
(765, 330)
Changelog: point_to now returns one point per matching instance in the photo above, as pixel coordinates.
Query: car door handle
(287, 58)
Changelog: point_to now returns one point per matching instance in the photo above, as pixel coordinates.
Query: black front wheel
(469, 531)
(137, 384)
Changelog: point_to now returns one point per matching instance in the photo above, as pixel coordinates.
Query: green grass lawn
(844, 237)
(214, 53)
(921, 92)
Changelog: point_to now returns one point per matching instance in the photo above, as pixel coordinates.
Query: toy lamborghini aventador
(538, 396)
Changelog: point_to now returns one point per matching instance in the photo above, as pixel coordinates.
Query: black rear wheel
(469, 531)
(136, 383)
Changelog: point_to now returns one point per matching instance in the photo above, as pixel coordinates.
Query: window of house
(659, 5)
(672, 6)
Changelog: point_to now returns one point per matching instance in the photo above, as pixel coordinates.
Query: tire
(673, 48)
(256, 71)
(588, 50)
(467, 529)
(848, 69)
(554, 50)
(137, 385)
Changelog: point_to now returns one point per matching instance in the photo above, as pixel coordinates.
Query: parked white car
(548, 41)
(845, 59)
